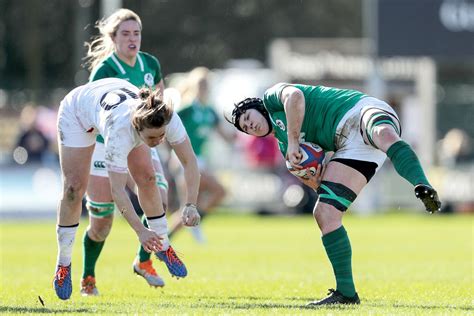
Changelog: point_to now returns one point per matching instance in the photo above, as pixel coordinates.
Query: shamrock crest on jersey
(149, 80)
(280, 124)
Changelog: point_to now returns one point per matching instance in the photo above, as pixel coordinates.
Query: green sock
(91, 252)
(338, 249)
(406, 163)
(143, 255)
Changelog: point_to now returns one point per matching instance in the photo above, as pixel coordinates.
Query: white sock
(65, 237)
(198, 234)
(160, 227)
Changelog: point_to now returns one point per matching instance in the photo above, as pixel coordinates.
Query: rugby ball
(313, 156)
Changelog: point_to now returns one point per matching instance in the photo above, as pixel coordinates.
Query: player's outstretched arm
(150, 240)
(188, 160)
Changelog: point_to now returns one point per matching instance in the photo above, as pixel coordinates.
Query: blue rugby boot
(62, 282)
(175, 266)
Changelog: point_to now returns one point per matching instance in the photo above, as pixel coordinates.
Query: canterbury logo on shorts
(99, 164)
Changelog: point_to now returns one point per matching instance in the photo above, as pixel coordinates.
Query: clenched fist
(190, 215)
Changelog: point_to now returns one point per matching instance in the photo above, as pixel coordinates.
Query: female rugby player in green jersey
(116, 53)
(201, 120)
(361, 131)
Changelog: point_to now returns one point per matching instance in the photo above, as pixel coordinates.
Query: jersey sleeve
(272, 98)
(102, 71)
(175, 131)
(154, 64)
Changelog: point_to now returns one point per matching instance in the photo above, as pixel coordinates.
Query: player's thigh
(140, 165)
(339, 187)
(75, 163)
(347, 176)
(98, 189)
(209, 182)
(161, 180)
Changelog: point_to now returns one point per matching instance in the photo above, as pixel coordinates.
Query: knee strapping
(336, 194)
(161, 181)
(100, 209)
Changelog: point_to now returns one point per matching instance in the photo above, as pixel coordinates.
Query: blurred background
(416, 54)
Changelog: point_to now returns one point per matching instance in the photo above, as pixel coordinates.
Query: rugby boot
(146, 270)
(175, 266)
(335, 297)
(88, 287)
(429, 197)
(62, 282)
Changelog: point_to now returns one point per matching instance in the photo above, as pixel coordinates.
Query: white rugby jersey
(105, 107)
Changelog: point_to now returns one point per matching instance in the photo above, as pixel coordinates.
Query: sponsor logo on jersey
(280, 124)
(98, 164)
(148, 78)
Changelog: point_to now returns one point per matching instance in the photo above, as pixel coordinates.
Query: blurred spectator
(32, 145)
(455, 153)
(455, 148)
(201, 120)
(262, 153)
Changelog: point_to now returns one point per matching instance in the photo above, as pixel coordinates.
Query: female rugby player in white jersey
(129, 119)
(116, 53)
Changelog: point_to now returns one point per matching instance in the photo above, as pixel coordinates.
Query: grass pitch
(403, 264)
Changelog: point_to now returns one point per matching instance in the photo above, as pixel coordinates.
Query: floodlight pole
(375, 85)
(107, 7)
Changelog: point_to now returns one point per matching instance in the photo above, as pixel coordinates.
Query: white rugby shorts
(98, 167)
(349, 141)
(71, 133)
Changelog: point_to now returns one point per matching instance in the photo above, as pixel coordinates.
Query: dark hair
(153, 112)
(244, 105)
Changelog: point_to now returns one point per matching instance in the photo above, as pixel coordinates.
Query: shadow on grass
(235, 302)
(43, 310)
(462, 307)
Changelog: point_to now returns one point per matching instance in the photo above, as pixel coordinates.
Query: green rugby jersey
(324, 109)
(146, 72)
(199, 121)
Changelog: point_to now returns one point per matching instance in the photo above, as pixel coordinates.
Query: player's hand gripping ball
(313, 156)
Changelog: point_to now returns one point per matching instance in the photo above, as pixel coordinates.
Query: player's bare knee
(102, 232)
(327, 217)
(99, 229)
(146, 179)
(73, 191)
(384, 136)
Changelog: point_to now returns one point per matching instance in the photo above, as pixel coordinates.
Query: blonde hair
(190, 88)
(101, 46)
(153, 112)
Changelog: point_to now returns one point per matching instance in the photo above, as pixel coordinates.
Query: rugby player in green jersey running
(201, 120)
(361, 131)
(116, 53)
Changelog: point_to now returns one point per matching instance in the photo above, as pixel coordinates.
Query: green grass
(403, 265)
